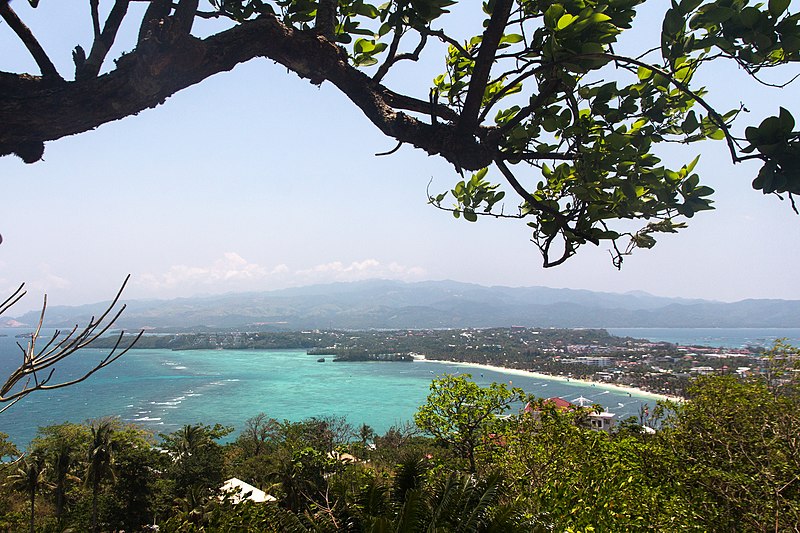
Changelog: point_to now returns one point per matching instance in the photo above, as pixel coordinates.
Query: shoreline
(539, 375)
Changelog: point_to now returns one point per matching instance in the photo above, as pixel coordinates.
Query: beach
(572, 381)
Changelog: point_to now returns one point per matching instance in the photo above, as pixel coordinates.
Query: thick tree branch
(483, 66)
(32, 110)
(46, 66)
(184, 15)
(156, 12)
(325, 23)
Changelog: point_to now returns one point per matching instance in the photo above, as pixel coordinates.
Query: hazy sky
(257, 180)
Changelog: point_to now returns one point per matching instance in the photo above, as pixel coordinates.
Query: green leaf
(565, 21)
(777, 7)
(512, 38)
(366, 10)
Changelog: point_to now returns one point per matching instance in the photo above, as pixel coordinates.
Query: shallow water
(163, 390)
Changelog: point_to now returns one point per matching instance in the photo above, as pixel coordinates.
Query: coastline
(580, 382)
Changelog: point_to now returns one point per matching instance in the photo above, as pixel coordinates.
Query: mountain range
(382, 304)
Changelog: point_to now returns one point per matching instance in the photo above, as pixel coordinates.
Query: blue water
(163, 390)
(720, 337)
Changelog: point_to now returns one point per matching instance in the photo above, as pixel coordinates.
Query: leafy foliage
(537, 98)
(462, 414)
(725, 460)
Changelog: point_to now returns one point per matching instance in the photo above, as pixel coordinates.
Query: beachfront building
(603, 421)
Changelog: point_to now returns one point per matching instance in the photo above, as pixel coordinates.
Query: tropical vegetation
(477, 459)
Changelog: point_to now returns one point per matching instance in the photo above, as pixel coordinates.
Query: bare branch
(537, 156)
(400, 101)
(156, 12)
(94, 6)
(103, 41)
(391, 59)
(442, 36)
(29, 40)
(390, 152)
(184, 15)
(11, 300)
(26, 378)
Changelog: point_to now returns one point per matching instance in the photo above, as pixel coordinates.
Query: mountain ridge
(387, 304)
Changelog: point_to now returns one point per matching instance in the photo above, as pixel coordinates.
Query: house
(603, 421)
(238, 491)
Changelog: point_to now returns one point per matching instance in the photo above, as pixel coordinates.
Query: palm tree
(100, 464)
(191, 440)
(28, 478)
(62, 459)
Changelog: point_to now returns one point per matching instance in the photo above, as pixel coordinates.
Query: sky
(256, 180)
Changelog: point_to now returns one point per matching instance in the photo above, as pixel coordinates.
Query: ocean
(162, 390)
(719, 337)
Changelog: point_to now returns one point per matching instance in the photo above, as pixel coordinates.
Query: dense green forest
(727, 459)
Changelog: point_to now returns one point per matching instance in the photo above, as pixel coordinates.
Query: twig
(390, 152)
(36, 361)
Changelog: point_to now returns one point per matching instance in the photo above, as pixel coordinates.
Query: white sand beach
(572, 381)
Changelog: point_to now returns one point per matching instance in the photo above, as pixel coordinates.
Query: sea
(716, 337)
(162, 390)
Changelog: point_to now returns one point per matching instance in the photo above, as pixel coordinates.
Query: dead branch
(38, 365)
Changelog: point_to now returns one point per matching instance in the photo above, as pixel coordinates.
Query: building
(238, 491)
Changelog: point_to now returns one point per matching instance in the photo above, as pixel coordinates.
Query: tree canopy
(540, 101)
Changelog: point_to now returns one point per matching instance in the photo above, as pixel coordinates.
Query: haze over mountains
(433, 304)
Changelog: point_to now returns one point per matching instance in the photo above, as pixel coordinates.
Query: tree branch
(94, 6)
(46, 66)
(184, 15)
(715, 116)
(103, 41)
(325, 22)
(483, 66)
(34, 362)
(31, 111)
(157, 11)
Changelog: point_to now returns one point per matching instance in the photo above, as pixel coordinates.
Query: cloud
(356, 271)
(233, 273)
(231, 269)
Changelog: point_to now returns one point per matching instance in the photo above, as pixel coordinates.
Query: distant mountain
(382, 304)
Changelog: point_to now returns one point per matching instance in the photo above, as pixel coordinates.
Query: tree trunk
(33, 508)
(95, 490)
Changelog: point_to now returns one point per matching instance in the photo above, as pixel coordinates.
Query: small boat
(321, 360)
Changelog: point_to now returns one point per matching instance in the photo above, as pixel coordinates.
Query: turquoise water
(163, 390)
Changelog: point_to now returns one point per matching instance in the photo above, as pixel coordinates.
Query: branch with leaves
(538, 97)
